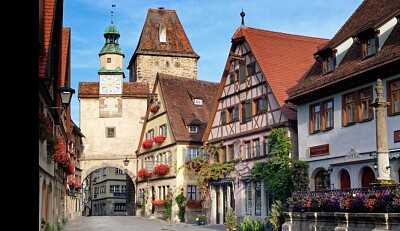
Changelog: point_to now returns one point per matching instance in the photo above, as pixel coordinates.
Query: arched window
(322, 181)
(345, 182)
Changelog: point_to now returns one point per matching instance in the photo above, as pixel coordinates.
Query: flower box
(193, 204)
(45, 127)
(143, 173)
(158, 202)
(159, 139)
(161, 169)
(147, 144)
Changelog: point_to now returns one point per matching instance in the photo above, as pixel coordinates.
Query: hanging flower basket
(45, 127)
(69, 167)
(154, 108)
(161, 169)
(159, 139)
(147, 144)
(60, 155)
(143, 173)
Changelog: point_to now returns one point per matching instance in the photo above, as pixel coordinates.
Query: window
(163, 130)
(251, 68)
(191, 192)
(114, 188)
(366, 99)
(394, 97)
(247, 149)
(193, 129)
(110, 132)
(119, 171)
(329, 64)
(108, 60)
(265, 144)
(321, 116)
(233, 114)
(258, 198)
(222, 153)
(123, 188)
(249, 198)
(242, 72)
(356, 107)
(119, 207)
(256, 148)
(191, 153)
(150, 134)
(260, 105)
(246, 111)
(369, 46)
(198, 102)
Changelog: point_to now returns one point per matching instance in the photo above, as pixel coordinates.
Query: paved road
(132, 223)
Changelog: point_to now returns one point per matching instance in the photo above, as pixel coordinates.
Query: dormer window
(369, 46)
(162, 34)
(193, 129)
(328, 58)
(369, 42)
(329, 64)
(198, 101)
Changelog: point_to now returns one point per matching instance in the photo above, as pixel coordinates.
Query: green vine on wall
(206, 170)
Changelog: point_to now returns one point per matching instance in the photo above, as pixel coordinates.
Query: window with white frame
(163, 130)
(123, 188)
(119, 171)
(256, 148)
(249, 198)
(394, 97)
(191, 153)
(198, 102)
(191, 192)
(247, 149)
(150, 134)
(114, 188)
(193, 129)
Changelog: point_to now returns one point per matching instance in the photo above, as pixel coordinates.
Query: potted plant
(230, 220)
(154, 107)
(45, 127)
(201, 219)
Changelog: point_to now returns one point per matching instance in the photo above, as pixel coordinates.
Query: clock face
(110, 84)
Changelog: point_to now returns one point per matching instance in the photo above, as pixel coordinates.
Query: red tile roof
(353, 70)
(65, 57)
(91, 89)
(48, 18)
(177, 43)
(283, 58)
(178, 94)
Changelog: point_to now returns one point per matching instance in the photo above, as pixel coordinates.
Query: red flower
(161, 169)
(159, 139)
(158, 202)
(143, 173)
(154, 108)
(147, 144)
(194, 204)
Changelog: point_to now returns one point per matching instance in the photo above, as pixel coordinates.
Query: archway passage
(322, 181)
(345, 182)
(368, 176)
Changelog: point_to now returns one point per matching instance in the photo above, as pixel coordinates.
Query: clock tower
(111, 63)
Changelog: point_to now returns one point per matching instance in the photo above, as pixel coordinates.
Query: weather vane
(113, 5)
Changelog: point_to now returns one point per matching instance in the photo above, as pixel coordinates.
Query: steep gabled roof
(283, 58)
(353, 70)
(177, 43)
(130, 89)
(178, 95)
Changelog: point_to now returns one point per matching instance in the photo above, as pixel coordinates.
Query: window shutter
(247, 109)
(263, 103)
(242, 72)
(236, 112)
(232, 77)
(223, 116)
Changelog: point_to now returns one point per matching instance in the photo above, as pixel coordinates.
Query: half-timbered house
(262, 65)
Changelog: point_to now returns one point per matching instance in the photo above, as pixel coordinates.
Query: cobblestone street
(131, 223)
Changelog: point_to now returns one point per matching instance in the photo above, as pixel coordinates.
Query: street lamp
(66, 95)
(126, 161)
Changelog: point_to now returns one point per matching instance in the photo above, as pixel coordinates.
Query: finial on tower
(242, 14)
(113, 5)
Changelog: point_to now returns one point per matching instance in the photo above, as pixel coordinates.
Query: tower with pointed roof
(163, 47)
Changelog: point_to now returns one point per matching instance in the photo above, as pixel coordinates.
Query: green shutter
(232, 78)
(263, 103)
(236, 113)
(242, 72)
(223, 116)
(247, 109)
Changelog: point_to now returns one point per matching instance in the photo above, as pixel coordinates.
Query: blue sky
(209, 25)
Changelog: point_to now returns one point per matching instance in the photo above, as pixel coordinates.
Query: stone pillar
(381, 136)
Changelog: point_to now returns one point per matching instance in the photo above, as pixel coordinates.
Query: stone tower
(163, 47)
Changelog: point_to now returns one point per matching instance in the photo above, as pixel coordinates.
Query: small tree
(180, 199)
